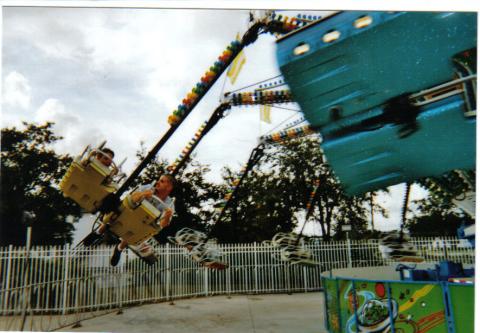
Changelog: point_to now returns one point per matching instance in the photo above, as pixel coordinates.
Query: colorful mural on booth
(359, 306)
(332, 306)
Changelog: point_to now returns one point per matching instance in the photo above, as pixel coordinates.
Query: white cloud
(16, 90)
(75, 132)
(49, 29)
(54, 110)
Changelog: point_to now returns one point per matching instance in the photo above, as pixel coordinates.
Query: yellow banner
(265, 113)
(236, 65)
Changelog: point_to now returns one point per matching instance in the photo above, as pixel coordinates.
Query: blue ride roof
(347, 71)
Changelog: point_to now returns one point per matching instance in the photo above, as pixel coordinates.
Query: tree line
(271, 199)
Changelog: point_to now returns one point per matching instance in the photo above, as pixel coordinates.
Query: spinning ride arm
(254, 158)
(235, 99)
(310, 207)
(264, 24)
(111, 202)
(216, 116)
(291, 133)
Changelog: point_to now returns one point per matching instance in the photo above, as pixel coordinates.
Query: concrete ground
(278, 313)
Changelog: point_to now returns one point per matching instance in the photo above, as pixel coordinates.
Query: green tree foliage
(31, 172)
(446, 188)
(437, 215)
(436, 224)
(279, 188)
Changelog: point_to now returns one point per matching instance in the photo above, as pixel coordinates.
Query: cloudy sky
(113, 74)
(116, 74)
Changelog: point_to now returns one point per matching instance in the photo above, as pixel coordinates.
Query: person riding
(105, 156)
(161, 190)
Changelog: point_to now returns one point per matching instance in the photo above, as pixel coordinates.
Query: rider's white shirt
(168, 202)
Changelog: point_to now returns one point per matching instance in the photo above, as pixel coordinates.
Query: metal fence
(51, 287)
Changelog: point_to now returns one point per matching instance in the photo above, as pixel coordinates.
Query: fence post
(305, 283)
(445, 252)
(206, 280)
(119, 288)
(9, 273)
(349, 248)
(286, 268)
(304, 269)
(227, 271)
(77, 303)
(167, 268)
(26, 288)
(255, 266)
(125, 278)
(65, 277)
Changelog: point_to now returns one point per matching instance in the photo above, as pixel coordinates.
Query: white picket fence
(52, 287)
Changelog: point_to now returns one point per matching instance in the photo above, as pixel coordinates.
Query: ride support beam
(111, 202)
(271, 24)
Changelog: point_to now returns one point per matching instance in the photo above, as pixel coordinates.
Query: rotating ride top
(392, 93)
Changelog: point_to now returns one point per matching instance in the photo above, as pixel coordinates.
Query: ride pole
(111, 202)
(215, 117)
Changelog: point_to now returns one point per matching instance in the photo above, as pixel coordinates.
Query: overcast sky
(116, 74)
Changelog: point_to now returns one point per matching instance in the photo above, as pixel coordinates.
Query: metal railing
(65, 285)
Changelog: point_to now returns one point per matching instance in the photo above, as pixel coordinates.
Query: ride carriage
(87, 181)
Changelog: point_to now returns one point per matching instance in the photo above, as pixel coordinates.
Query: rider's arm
(140, 195)
(167, 216)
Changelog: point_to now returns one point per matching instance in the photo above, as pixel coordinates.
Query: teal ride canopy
(354, 75)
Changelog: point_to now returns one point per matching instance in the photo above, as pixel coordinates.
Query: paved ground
(236, 314)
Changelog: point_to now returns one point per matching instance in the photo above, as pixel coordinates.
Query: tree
(436, 224)
(279, 188)
(437, 215)
(256, 213)
(31, 172)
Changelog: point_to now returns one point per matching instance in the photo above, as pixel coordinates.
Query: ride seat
(135, 223)
(87, 183)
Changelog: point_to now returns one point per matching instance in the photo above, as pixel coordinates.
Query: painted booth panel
(462, 299)
(420, 306)
(347, 306)
(333, 323)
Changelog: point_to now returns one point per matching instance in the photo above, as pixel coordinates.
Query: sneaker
(216, 265)
(91, 238)
(115, 256)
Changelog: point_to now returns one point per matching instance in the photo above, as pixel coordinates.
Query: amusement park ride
(392, 94)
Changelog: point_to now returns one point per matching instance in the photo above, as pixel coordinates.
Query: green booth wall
(361, 306)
